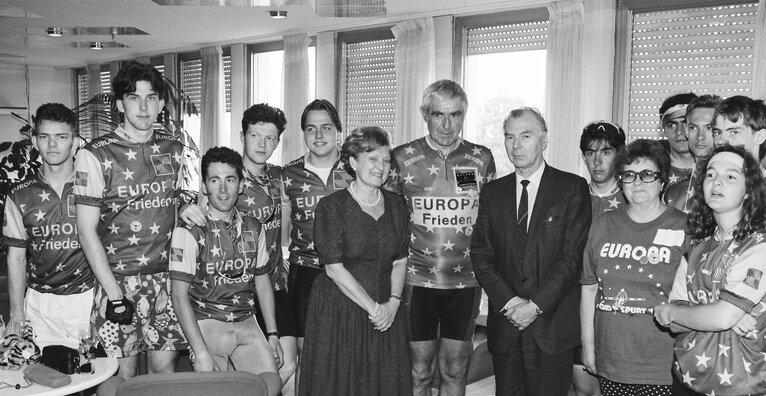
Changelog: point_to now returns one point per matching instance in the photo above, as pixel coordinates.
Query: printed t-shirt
(634, 265)
(221, 266)
(266, 207)
(723, 362)
(600, 205)
(134, 184)
(38, 220)
(303, 188)
(442, 196)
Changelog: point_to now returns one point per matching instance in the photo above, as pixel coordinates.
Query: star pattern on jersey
(440, 247)
(305, 187)
(128, 174)
(155, 229)
(131, 155)
(725, 377)
(673, 179)
(44, 196)
(702, 360)
(614, 203)
(155, 148)
(40, 215)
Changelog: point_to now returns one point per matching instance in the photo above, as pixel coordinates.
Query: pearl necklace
(369, 205)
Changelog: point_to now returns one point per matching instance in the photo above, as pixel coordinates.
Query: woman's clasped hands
(382, 316)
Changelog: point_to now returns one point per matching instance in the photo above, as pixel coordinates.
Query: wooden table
(104, 368)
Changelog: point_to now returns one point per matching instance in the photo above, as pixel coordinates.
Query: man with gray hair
(527, 252)
(440, 176)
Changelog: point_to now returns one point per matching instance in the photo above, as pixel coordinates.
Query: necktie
(522, 215)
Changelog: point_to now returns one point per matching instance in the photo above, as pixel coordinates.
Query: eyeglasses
(646, 175)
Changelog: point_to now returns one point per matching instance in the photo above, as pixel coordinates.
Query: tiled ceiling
(153, 27)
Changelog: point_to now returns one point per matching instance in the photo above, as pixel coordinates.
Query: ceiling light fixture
(55, 32)
(278, 14)
(96, 45)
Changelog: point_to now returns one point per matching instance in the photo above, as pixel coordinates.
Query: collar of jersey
(235, 216)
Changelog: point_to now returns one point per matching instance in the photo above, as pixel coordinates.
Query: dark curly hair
(263, 113)
(701, 223)
(55, 112)
(132, 72)
(362, 140)
(598, 131)
(652, 150)
(222, 155)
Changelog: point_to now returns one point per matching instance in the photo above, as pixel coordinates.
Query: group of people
(601, 288)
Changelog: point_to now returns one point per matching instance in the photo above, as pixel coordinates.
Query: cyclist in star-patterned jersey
(440, 176)
(699, 131)
(49, 281)
(262, 126)
(599, 144)
(219, 272)
(125, 190)
(306, 180)
(673, 124)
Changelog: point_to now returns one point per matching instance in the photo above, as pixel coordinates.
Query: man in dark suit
(527, 254)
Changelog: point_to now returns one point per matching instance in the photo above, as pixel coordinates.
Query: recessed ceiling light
(55, 32)
(278, 14)
(96, 45)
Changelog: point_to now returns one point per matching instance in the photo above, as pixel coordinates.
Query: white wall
(46, 84)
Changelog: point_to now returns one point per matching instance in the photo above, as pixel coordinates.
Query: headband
(673, 112)
(726, 156)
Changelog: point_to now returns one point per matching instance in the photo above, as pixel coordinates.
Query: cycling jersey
(442, 195)
(44, 224)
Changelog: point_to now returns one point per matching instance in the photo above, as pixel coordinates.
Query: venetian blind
(523, 36)
(82, 87)
(700, 50)
(370, 84)
(106, 82)
(191, 80)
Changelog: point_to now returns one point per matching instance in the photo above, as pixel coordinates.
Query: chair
(219, 383)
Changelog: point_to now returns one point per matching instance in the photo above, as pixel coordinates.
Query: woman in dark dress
(356, 337)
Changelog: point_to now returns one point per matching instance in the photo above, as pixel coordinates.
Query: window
(106, 81)
(367, 79)
(267, 86)
(700, 50)
(190, 66)
(503, 64)
(81, 78)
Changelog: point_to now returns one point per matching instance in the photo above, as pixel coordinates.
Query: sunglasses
(646, 176)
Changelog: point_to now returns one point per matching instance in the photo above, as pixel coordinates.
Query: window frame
(464, 23)
(625, 10)
(352, 37)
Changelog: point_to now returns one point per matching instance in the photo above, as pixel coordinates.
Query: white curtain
(212, 102)
(93, 128)
(759, 55)
(598, 69)
(296, 93)
(564, 83)
(414, 56)
(94, 79)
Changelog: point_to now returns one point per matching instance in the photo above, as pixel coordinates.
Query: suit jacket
(548, 270)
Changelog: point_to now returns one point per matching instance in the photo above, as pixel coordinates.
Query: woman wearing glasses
(629, 264)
